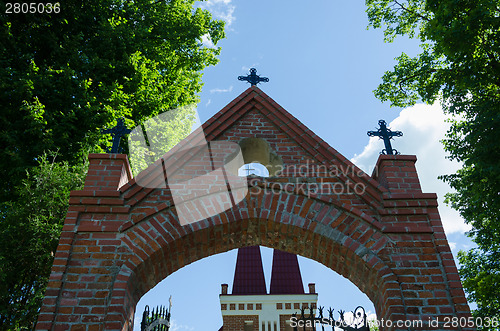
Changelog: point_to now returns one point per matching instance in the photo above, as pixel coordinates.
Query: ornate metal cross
(253, 78)
(386, 134)
(118, 132)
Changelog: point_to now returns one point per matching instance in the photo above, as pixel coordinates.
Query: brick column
(70, 300)
(397, 173)
(107, 172)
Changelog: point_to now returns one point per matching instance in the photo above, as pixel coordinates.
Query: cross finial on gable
(118, 132)
(386, 134)
(253, 78)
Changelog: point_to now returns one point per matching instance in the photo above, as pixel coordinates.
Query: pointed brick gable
(285, 276)
(249, 274)
(253, 106)
(254, 114)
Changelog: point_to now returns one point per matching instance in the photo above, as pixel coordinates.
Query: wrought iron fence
(357, 323)
(157, 320)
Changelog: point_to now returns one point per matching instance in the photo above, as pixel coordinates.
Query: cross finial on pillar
(118, 132)
(253, 78)
(386, 134)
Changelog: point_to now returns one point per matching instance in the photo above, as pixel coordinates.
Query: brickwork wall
(237, 322)
(119, 240)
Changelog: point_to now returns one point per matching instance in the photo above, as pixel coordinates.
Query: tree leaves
(29, 232)
(481, 278)
(63, 77)
(398, 17)
(459, 65)
(89, 65)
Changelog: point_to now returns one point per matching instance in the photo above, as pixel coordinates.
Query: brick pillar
(107, 172)
(397, 173)
(68, 302)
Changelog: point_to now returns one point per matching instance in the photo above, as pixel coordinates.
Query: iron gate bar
(158, 321)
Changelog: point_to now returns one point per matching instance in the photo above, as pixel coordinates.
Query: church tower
(250, 307)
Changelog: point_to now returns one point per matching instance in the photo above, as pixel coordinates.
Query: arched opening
(206, 275)
(328, 246)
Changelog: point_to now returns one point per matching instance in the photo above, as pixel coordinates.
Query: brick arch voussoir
(286, 207)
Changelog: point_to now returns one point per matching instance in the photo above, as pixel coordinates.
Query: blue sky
(323, 65)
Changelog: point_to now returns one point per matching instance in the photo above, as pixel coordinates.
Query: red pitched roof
(285, 277)
(249, 274)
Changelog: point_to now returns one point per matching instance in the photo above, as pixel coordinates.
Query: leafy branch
(401, 7)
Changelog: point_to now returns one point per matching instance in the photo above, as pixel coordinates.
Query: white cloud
(453, 245)
(175, 327)
(208, 102)
(220, 9)
(206, 41)
(221, 90)
(423, 127)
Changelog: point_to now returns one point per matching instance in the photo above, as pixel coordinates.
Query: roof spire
(249, 274)
(285, 277)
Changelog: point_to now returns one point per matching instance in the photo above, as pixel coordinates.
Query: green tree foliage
(63, 77)
(481, 276)
(156, 136)
(459, 65)
(29, 234)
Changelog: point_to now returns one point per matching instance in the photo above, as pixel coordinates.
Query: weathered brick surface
(237, 322)
(381, 232)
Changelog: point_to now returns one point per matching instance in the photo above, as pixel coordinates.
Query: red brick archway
(120, 239)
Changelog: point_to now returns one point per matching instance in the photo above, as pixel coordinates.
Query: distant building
(250, 308)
